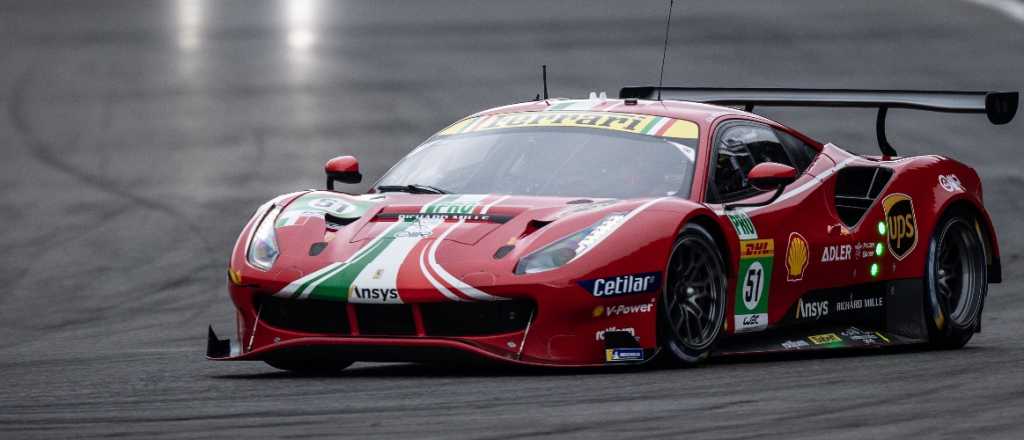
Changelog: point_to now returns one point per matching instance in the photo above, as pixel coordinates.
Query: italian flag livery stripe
(404, 253)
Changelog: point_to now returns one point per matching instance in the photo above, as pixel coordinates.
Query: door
(779, 241)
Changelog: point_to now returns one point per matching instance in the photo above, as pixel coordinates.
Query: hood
(334, 244)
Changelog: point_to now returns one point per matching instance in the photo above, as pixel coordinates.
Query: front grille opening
(475, 319)
(385, 319)
(439, 319)
(308, 316)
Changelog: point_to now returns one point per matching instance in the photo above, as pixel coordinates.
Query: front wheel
(693, 297)
(956, 282)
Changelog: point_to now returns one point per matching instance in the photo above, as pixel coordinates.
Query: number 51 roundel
(756, 257)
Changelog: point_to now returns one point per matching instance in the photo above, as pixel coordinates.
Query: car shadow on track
(450, 370)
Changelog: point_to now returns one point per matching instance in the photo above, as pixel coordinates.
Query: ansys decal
(371, 274)
(751, 309)
(901, 224)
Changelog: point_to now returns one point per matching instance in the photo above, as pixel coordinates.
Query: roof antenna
(664, 52)
(544, 78)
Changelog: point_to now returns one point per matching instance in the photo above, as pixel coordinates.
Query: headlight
(262, 251)
(563, 251)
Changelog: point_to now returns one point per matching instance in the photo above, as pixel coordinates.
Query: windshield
(547, 160)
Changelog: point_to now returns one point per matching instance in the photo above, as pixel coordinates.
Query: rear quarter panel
(934, 184)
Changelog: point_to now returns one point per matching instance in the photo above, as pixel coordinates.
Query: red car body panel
(455, 260)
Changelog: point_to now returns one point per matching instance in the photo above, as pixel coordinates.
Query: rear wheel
(309, 366)
(956, 281)
(693, 298)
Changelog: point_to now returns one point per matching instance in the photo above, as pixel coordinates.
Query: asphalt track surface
(137, 137)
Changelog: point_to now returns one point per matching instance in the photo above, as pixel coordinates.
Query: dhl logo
(757, 248)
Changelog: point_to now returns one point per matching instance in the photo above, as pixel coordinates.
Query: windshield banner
(630, 123)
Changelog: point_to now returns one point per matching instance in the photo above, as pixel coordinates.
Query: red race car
(666, 224)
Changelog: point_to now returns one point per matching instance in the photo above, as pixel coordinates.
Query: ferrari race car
(618, 231)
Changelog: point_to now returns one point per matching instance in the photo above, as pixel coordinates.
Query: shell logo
(796, 257)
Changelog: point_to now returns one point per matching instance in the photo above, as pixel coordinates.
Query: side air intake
(856, 190)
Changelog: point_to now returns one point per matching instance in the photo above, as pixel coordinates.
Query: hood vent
(335, 222)
(857, 188)
(533, 226)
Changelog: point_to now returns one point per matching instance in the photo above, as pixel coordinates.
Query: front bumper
(374, 349)
(540, 329)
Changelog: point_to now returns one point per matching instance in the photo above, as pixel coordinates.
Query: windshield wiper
(414, 188)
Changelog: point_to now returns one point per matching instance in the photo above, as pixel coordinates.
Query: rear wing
(1000, 107)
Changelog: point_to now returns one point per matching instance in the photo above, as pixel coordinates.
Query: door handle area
(837, 230)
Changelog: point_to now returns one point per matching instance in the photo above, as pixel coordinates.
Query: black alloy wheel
(693, 298)
(956, 281)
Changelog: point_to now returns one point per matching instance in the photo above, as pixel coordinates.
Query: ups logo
(900, 224)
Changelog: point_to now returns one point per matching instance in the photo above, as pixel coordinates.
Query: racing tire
(956, 281)
(310, 366)
(693, 298)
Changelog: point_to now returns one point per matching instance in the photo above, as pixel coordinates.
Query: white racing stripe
(458, 284)
(292, 287)
(433, 281)
(488, 206)
(385, 233)
(382, 272)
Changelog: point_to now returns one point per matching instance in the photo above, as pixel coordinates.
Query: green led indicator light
(874, 269)
(881, 228)
(878, 249)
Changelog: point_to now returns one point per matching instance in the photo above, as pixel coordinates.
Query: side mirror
(769, 176)
(344, 169)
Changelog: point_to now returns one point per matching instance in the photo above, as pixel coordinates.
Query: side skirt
(872, 315)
